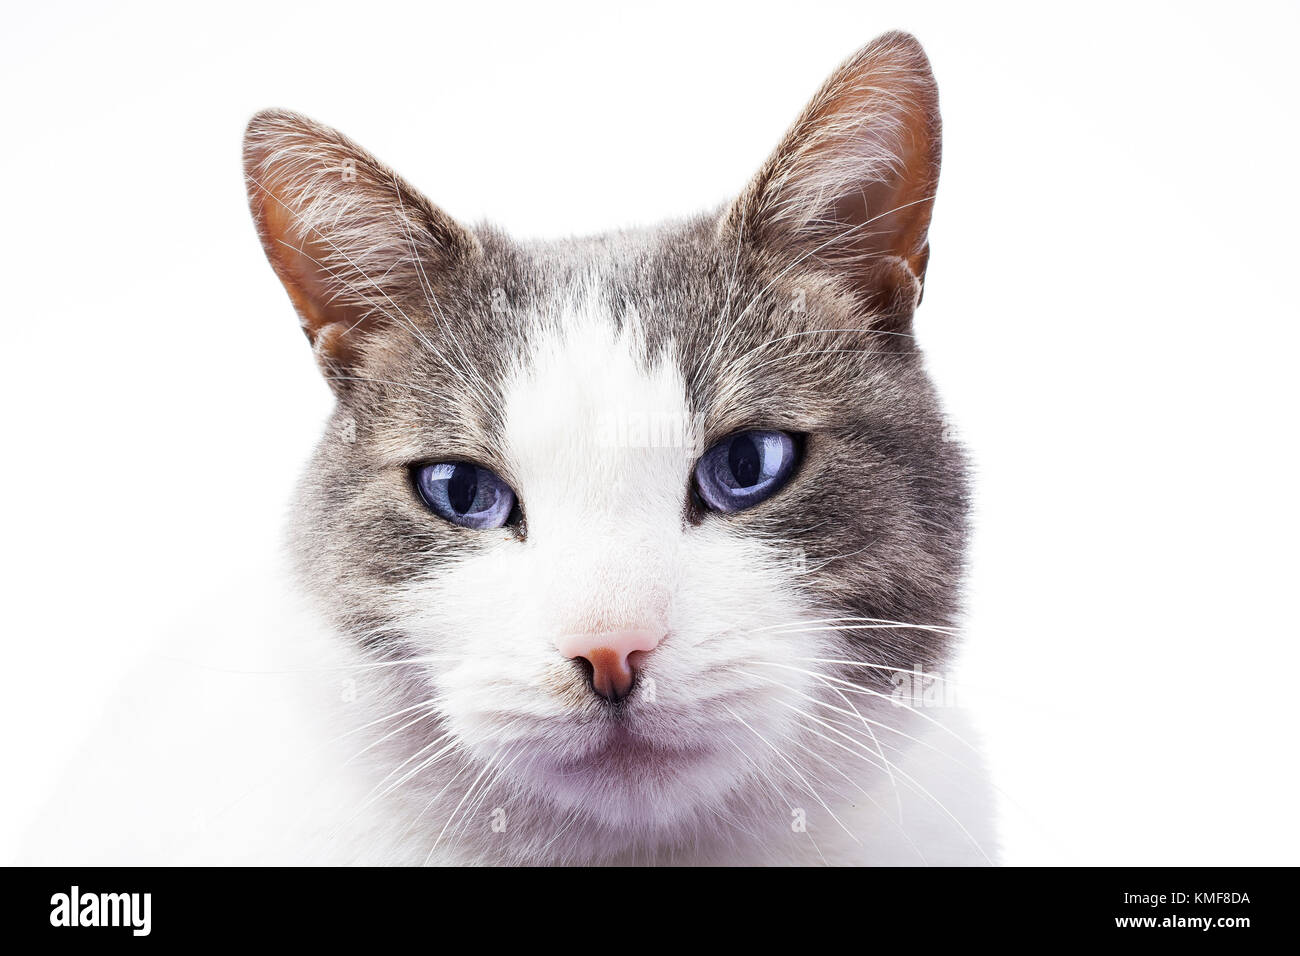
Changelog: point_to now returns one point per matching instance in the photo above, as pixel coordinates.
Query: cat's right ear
(849, 190)
(351, 242)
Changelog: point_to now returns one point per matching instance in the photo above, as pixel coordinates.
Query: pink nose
(609, 654)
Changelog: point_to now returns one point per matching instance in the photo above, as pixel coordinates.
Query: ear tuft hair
(851, 186)
(350, 240)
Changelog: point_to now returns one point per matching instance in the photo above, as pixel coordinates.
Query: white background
(1110, 314)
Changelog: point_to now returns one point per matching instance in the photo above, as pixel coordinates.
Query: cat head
(633, 522)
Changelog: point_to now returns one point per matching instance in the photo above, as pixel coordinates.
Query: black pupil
(462, 488)
(745, 465)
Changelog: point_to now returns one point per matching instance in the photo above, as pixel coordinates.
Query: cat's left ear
(851, 187)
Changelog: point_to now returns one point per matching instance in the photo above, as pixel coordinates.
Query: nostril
(585, 667)
(607, 659)
(611, 674)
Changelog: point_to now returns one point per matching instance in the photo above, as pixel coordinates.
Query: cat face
(637, 525)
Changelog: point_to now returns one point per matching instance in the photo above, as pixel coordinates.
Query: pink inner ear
(868, 164)
(346, 236)
(298, 258)
(890, 208)
(853, 182)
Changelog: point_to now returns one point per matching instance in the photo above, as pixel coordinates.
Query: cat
(615, 550)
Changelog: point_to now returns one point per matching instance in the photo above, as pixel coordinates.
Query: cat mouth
(624, 751)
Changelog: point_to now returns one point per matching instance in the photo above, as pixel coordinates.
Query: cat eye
(465, 494)
(744, 469)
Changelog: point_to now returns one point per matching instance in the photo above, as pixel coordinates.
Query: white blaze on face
(601, 448)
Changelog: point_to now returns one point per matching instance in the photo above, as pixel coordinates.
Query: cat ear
(851, 186)
(352, 243)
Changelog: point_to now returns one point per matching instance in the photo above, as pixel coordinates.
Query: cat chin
(634, 787)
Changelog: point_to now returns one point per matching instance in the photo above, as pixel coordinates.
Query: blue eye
(465, 494)
(745, 469)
